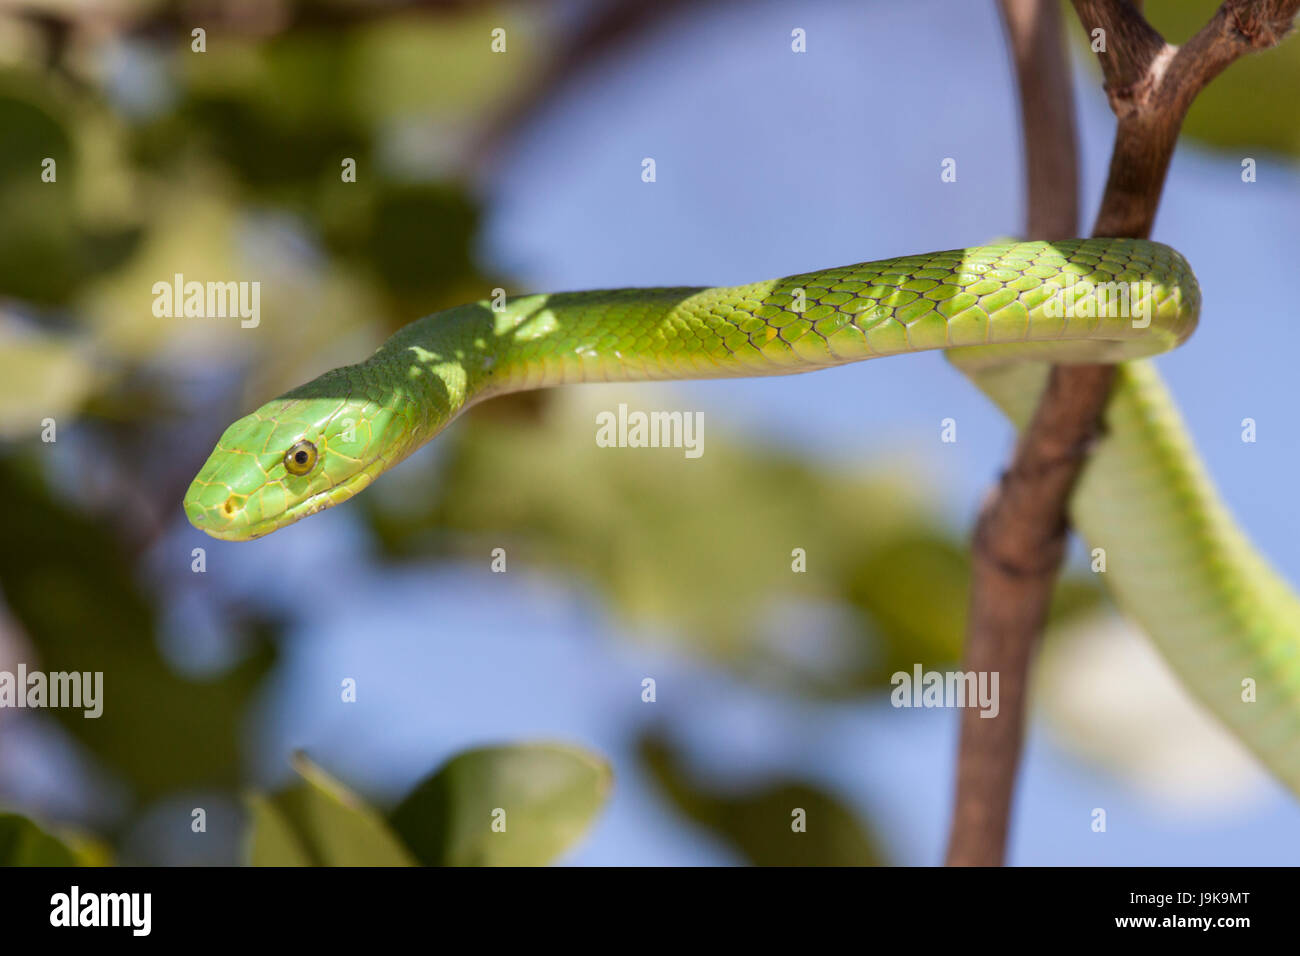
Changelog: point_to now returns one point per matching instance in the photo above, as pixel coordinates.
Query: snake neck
(439, 365)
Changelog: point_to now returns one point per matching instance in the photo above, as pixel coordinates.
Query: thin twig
(1020, 536)
(1042, 68)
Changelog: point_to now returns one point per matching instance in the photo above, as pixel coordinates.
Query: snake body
(1176, 562)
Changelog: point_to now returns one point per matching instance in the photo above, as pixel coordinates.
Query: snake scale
(1176, 561)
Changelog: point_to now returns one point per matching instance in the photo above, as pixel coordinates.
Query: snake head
(295, 456)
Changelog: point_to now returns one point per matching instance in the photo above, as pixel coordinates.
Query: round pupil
(300, 458)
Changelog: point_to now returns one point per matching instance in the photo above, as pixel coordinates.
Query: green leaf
(914, 589)
(545, 796)
(413, 238)
(24, 843)
(320, 822)
(271, 839)
(38, 255)
(55, 237)
(45, 377)
(760, 823)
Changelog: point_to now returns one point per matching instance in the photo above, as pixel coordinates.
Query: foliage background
(523, 170)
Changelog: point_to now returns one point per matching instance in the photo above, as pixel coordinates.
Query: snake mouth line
(211, 521)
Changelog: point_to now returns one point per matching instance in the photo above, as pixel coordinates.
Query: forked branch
(1020, 535)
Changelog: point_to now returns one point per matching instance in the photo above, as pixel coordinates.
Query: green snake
(1175, 560)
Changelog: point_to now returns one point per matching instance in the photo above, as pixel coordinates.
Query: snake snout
(215, 509)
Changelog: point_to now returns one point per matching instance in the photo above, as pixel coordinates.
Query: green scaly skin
(1176, 562)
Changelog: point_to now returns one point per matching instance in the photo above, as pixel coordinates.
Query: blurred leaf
(268, 153)
(278, 146)
(416, 239)
(914, 589)
(442, 67)
(31, 134)
(25, 843)
(550, 795)
(73, 590)
(40, 377)
(57, 235)
(320, 822)
(103, 250)
(759, 822)
(706, 547)
(38, 247)
(38, 244)
(271, 840)
(703, 554)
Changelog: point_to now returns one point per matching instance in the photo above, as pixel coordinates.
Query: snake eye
(301, 458)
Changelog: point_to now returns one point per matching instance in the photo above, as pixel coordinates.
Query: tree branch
(1151, 85)
(1042, 67)
(1020, 535)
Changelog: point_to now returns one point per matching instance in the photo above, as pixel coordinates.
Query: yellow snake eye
(301, 458)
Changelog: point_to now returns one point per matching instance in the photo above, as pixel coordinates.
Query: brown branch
(1020, 535)
(1042, 68)
(1152, 85)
